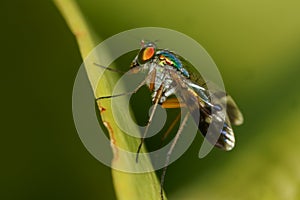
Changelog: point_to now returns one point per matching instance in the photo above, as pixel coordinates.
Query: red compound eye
(148, 53)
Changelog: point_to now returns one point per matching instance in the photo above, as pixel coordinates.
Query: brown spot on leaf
(112, 138)
(101, 108)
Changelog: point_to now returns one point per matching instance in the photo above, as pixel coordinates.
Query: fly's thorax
(168, 58)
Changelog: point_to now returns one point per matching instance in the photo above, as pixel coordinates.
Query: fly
(167, 75)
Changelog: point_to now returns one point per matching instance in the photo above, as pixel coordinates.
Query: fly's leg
(125, 93)
(110, 69)
(151, 75)
(171, 127)
(162, 180)
(132, 70)
(171, 103)
(156, 101)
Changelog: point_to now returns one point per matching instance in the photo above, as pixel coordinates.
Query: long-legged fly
(167, 74)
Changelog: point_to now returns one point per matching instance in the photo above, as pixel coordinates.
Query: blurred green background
(255, 44)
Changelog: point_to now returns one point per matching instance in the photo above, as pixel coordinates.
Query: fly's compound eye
(146, 53)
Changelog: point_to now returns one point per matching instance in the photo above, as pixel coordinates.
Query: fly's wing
(203, 116)
(226, 139)
(233, 112)
(195, 76)
(216, 127)
(222, 138)
(210, 123)
(232, 116)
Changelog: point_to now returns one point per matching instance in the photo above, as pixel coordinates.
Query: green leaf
(127, 185)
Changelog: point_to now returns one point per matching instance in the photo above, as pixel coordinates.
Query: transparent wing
(233, 112)
(202, 114)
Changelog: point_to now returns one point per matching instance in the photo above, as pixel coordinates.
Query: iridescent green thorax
(168, 58)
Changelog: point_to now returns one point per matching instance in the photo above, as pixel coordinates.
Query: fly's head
(145, 55)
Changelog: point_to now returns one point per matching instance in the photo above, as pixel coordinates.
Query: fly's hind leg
(171, 103)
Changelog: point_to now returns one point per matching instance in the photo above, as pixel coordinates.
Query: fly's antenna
(143, 41)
